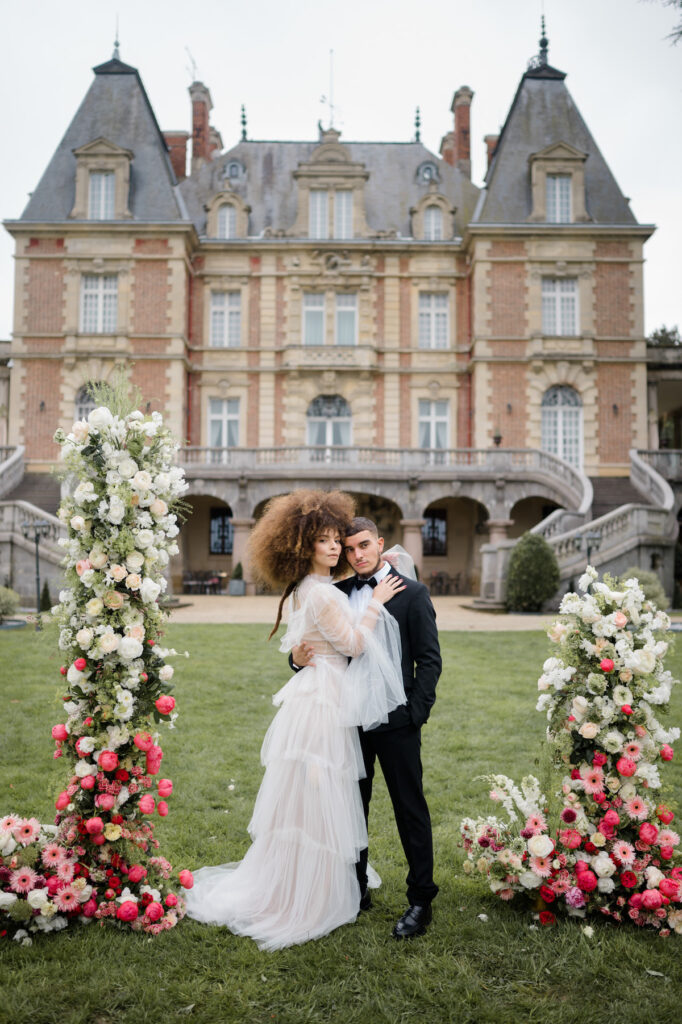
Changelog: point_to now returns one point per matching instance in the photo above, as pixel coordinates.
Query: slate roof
(272, 193)
(542, 113)
(116, 108)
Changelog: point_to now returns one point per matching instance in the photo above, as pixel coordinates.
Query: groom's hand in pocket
(302, 655)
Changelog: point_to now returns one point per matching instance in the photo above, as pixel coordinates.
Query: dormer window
(227, 221)
(427, 172)
(234, 170)
(101, 195)
(330, 208)
(330, 193)
(433, 223)
(558, 193)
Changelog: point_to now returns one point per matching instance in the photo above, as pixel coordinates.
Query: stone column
(652, 414)
(240, 537)
(412, 540)
(497, 529)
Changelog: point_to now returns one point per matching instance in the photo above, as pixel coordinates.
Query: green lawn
(463, 970)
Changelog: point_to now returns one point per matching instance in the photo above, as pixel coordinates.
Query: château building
(469, 362)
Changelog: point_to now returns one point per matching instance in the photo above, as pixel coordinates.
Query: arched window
(227, 221)
(562, 424)
(84, 403)
(329, 426)
(433, 223)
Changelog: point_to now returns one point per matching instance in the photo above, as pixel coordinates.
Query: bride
(298, 881)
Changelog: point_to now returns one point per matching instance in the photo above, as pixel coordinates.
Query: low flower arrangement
(99, 861)
(611, 849)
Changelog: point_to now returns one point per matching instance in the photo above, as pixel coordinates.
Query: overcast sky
(389, 57)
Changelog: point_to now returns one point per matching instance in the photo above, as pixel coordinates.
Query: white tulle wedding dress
(297, 881)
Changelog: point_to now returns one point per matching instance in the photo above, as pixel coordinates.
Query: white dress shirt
(359, 599)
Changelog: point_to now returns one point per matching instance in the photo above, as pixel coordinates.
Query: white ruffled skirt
(297, 881)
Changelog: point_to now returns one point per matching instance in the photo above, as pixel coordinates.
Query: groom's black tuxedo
(421, 661)
(397, 744)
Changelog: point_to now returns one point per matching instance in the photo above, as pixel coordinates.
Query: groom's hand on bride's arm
(301, 656)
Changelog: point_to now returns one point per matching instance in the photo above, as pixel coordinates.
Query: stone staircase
(610, 492)
(39, 489)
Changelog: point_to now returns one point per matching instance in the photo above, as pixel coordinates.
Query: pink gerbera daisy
(26, 831)
(593, 779)
(625, 852)
(23, 880)
(542, 866)
(65, 870)
(67, 899)
(52, 855)
(9, 823)
(506, 894)
(636, 808)
(561, 882)
(535, 824)
(632, 750)
(666, 837)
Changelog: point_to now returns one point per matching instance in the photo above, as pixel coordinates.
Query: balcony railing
(11, 467)
(666, 461)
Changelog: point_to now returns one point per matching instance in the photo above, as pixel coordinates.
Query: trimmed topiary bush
(45, 598)
(649, 583)
(9, 602)
(533, 575)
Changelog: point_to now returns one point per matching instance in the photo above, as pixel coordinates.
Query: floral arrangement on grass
(99, 860)
(612, 848)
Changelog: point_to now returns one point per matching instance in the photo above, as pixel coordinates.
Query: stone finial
(417, 125)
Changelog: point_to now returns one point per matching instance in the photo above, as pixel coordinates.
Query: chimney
(491, 144)
(215, 142)
(201, 108)
(447, 148)
(461, 107)
(177, 147)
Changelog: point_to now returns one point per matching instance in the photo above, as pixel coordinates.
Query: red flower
(625, 766)
(94, 826)
(606, 665)
(575, 773)
(667, 752)
(648, 832)
(164, 704)
(186, 879)
(59, 732)
(108, 760)
(587, 881)
(664, 814)
(80, 664)
(628, 879)
(547, 894)
(599, 759)
(143, 741)
(547, 917)
(626, 709)
(127, 911)
(154, 911)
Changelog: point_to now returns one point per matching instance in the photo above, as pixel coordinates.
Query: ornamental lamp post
(36, 529)
(592, 539)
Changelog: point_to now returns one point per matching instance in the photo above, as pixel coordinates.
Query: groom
(397, 744)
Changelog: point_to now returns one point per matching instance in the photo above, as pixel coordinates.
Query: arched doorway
(204, 563)
(562, 424)
(528, 512)
(451, 544)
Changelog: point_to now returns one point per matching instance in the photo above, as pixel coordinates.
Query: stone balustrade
(11, 467)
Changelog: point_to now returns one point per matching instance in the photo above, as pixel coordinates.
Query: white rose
(529, 880)
(135, 561)
(603, 865)
(7, 899)
(643, 661)
(127, 468)
(116, 510)
(606, 885)
(158, 508)
(84, 638)
(7, 844)
(100, 418)
(83, 768)
(540, 846)
(80, 430)
(74, 676)
(109, 642)
(129, 648)
(142, 480)
(98, 558)
(77, 523)
(149, 591)
(84, 492)
(166, 673)
(162, 557)
(653, 877)
(37, 898)
(588, 730)
(145, 538)
(580, 705)
(94, 607)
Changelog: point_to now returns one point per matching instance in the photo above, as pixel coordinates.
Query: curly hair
(282, 543)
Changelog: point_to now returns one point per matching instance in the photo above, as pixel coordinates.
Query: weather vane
(193, 68)
(330, 98)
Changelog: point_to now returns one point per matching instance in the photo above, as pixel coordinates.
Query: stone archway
(452, 536)
(528, 512)
(205, 542)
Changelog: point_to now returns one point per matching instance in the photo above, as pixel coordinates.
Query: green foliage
(533, 574)
(238, 572)
(45, 599)
(463, 971)
(118, 396)
(665, 337)
(9, 602)
(649, 583)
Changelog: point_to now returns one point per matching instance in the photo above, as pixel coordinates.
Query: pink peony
(80, 664)
(626, 766)
(664, 814)
(94, 825)
(62, 801)
(626, 709)
(136, 873)
(628, 879)
(105, 801)
(89, 909)
(570, 838)
(648, 832)
(143, 741)
(59, 732)
(165, 787)
(575, 898)
(186, 879)
(611, 818)
(162, 808)
(670, 888)
(620, 619)
(606, 665)
(171, 900)
(599, 759)
(108, 760)
(147, 804)
(127, 911)
(164, 704)
(667, 752)
(83, 565)
(667, 852)
(651, 899)
(154, 911)
(88, 782)
(587, 881)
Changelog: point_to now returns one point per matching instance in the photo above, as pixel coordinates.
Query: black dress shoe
(365, 901)
(413, 922)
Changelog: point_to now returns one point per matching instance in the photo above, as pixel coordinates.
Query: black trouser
(399, 753)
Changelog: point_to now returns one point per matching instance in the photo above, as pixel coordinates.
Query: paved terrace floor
(451, 613)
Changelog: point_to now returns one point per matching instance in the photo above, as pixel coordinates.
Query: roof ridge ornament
(116, 55)
(417, 125)
(243, 123)
(542, 58)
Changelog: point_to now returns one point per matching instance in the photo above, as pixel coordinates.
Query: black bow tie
(360, 583)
